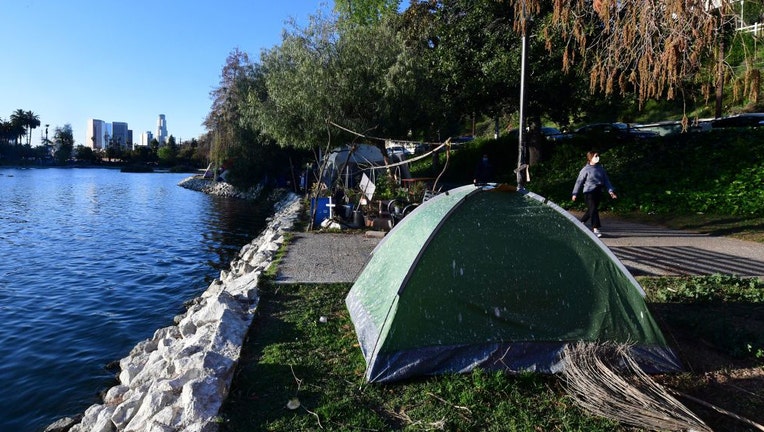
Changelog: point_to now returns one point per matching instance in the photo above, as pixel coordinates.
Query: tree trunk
(720, 80)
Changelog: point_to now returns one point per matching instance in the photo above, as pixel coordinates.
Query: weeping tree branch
(650, 48)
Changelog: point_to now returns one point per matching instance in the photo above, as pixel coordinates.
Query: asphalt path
(645, 250)
(648, 250)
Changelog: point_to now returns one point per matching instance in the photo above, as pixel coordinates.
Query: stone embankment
(212, 187)
(178, 379)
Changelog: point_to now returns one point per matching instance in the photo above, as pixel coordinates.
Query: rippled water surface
(93, 262)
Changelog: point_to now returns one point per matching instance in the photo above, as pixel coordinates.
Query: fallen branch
(458, 407)
(718, 409)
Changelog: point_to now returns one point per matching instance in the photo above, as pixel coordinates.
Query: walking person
(483, 172)
(592, 179)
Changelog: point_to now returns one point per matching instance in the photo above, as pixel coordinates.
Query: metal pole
(742, 16)
(521, 165)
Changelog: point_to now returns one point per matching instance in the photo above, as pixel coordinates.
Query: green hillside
(719, 172)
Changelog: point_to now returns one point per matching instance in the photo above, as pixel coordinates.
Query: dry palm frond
(606, 381)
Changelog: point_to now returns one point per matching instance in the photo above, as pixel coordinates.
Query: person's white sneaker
(597, 232)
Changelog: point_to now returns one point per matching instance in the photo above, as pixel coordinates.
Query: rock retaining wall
(178, 379)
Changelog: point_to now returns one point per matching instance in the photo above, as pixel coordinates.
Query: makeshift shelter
(349, 162)
(497, 279)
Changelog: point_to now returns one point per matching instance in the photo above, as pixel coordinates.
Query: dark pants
(592, 199)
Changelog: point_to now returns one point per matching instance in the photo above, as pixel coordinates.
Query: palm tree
(32, 122)
(5, 131)
(19, 121)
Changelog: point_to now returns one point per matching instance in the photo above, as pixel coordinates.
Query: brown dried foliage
(649, 47)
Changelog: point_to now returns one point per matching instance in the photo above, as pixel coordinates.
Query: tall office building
(119, 137)
(108, 132)
(161, 130)
(146, 138)
(96, 131)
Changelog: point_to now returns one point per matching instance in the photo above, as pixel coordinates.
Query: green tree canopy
(167, 155)
(365, 12)
(84, 153)
(365, 80)
(63, 138)
(422, 72)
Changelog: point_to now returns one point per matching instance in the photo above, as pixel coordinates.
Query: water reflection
(234, 217)
(94, 261)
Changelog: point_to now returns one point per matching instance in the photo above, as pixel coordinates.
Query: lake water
(92, 262)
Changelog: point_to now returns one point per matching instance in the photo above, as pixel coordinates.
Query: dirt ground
(710, 340)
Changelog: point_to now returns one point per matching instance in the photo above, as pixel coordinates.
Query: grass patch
(290, 353)
(723, 312)
(270, 272)
(716, 325)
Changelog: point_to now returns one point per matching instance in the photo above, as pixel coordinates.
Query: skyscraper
(161, 130)
(120, 136)
(146, 138)
(95, 134)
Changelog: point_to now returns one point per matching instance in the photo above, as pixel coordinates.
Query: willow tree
(223, 118)
(296, 102)
(650, 48)
(236, 143)
(324, 75)
(365, 12)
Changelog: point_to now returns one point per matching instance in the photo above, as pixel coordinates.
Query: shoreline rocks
(220, 188)
(179, 379)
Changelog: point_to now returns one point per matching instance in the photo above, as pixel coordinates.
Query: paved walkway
(325, 257)
(654, 251)
(644, 249)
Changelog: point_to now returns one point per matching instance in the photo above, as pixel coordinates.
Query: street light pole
(521, 162)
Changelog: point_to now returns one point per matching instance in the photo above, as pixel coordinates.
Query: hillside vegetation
(706, 180)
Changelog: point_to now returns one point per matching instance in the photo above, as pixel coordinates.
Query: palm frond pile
(605, 380)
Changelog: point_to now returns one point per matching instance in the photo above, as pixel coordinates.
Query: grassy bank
(293, 354)
(290, 354)
(302, 370)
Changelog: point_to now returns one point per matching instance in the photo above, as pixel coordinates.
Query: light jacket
(592, 177)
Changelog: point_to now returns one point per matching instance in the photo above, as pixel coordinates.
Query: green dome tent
(497, 279)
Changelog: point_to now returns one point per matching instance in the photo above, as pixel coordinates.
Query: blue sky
(115, 60)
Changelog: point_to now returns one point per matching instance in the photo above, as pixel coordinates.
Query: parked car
(739, 120)
(412, 149)
(457, 142)
(673, 127)
(554, 134)
(396, 151)
(549, 133)
(617, 130)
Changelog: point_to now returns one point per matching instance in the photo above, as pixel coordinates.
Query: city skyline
(69, 70)
(101, 133)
